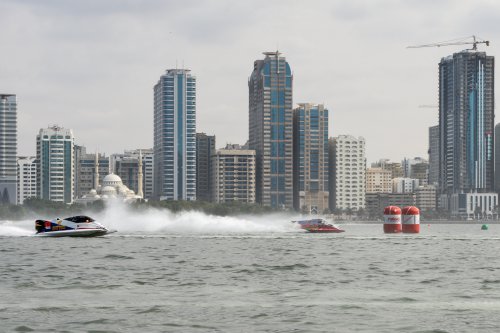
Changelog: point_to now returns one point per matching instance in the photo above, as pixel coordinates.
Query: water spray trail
(17, 228)
(120, 217)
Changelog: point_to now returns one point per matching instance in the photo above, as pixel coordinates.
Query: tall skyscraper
(348, 161)
(310, 158)
(8, 148)
(466, 121)
(433, 155)
(26, 176)
(497, 158)
(55, 168)
(205, 148)
(271, 129)
(175, 136)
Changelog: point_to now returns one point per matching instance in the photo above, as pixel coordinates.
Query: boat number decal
(58, 227)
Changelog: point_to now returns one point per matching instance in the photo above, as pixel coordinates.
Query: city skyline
(85, 76)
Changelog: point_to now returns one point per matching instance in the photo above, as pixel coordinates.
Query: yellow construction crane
(460, 41)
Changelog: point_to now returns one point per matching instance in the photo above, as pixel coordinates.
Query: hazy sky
(91, 65)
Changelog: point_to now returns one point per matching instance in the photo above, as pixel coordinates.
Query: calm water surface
(446, 279)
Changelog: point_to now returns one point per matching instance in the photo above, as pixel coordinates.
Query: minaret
(139, 177)
(96, 172)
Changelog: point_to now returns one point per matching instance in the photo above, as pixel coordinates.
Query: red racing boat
(318, 225)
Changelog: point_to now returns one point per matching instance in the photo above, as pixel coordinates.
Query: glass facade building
(175, 136)
(271, 129)
(310, 162)
(205, 148)
(8, 148)
(466, 123)
(55, 164)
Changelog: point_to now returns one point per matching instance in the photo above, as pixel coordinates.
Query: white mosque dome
(108, 191)
(112, 180)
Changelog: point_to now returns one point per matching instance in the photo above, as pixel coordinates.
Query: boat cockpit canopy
(80, 219)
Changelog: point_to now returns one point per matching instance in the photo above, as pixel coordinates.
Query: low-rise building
(376, 202)
(426, 197)
(378, 180)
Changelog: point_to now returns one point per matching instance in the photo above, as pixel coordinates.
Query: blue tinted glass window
(281, 199)
(274, 97)
(314, 119)
(281, 183)
(278, 115)
(278, 166)
(277, 132)
(274, 183)
(281, 97)
(314, 164)
(274, 166)
(267, 69)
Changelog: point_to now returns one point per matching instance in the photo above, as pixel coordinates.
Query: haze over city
(91, 66)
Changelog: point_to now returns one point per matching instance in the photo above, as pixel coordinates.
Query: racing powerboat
(318, 225)
(74, 226)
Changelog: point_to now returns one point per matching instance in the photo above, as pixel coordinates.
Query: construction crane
(460, 41)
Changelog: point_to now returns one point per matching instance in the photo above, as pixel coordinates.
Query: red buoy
(392, 219)
(411, 220)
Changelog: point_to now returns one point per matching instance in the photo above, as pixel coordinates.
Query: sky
(91, 65)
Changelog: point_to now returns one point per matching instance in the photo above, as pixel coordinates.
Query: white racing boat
(74, 226)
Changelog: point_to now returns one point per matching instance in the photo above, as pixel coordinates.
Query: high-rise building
(55, 164)
(175, 136)
(26, 178)
(8, 148)
(433, 155)
(466, 123)
(497, 158)
(85, 170)
(310, 158)
(205, 148)
(233, 175)
(270, 129)
(347, 185)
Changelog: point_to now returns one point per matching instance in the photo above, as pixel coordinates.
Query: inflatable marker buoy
(411, 220)
(484, 227)
(392, 219)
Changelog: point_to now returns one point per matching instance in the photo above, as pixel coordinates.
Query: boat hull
(317, 231)
(74, 233)
(318, 226)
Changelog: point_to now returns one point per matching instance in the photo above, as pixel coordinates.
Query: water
(241, 275)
